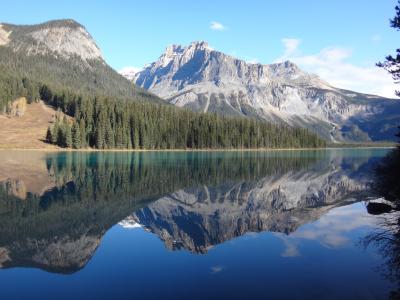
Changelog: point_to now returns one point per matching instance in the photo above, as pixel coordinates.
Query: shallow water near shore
(189, 225)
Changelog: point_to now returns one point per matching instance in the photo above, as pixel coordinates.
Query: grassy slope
(28, 131)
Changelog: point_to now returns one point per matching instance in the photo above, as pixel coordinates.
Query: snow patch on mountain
(129, 72)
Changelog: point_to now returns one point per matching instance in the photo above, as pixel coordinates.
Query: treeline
(108, 123)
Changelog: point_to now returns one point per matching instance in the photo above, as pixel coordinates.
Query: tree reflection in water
(387, 238)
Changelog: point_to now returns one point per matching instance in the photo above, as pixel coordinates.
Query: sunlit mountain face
(56, 208)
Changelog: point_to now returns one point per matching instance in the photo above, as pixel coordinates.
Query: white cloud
(376, 38)
(291, 48)
(331, 64)
(332, 229)
(291, 249)
(216, 269)
(217, 26)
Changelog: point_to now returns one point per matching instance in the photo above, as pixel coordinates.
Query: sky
(338, 40)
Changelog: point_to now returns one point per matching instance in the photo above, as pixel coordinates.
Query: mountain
(61, 54)
(203, 79)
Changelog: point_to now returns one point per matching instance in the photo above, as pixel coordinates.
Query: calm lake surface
(189, 225)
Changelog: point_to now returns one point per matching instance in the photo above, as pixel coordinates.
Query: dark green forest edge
(108, 112)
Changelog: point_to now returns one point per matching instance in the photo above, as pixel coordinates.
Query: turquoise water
(189, 225)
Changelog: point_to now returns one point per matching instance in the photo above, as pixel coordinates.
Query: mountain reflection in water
(56, 207)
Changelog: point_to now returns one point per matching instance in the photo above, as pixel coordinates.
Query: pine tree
(68, 136)
(82, 130)
(60, 136)
(49, 136)
(54, 133)
(76, 136)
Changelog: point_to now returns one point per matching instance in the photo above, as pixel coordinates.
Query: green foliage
(76, 136)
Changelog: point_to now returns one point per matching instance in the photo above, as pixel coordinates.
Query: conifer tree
(76, 136)
(49, 136)
(67, 136)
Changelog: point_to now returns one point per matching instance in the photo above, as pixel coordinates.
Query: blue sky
(352, 34)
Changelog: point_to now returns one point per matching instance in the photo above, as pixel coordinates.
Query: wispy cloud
(214, 25)
(291, 48)
(332, 64)
(332, 229)
(376, 38)
(216, 269)
(291, 249)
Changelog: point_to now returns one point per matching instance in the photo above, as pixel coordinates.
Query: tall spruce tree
(49, 136)
(76, 136)
(68, 136)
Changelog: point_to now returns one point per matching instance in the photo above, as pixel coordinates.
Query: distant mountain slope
(62, 54)
(202, 79)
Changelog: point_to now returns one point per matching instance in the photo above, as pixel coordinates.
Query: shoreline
(197, 150)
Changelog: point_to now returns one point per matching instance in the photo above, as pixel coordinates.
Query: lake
(190, 225)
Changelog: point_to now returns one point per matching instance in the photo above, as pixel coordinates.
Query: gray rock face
(63, 38)
(202, 79)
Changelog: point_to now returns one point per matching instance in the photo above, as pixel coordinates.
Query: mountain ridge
(65, 37)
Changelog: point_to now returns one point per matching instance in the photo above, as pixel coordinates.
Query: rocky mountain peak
(200, 45)
(203, 79)
(180, 67)
(63, 38)
(286, 69)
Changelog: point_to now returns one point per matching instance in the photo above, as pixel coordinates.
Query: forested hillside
(19, 71)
